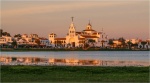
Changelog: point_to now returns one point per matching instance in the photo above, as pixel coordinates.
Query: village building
(26, 41)
(144, 44)
(44, 42)
(5, 41)
(78, 39)
(32, 40)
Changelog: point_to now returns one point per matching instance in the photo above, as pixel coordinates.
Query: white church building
(78, 39)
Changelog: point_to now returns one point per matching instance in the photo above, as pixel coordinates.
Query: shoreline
(78, 49)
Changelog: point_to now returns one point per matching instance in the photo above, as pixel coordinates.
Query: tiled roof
(81, 38)
(94, 33)
(42, 38)
(60, 38)
(88, 30)
(78, 32)
(52, 34)
(89, 36)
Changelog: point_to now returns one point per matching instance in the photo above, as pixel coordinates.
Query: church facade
(78, 39)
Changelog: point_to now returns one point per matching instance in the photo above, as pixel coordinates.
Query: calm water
(92, 55)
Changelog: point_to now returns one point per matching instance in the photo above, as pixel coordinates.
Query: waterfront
(77, 58)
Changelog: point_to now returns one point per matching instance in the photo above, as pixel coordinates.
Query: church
(78, 39)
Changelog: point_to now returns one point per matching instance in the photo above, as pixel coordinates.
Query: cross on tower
(72, 18)
(89, 22)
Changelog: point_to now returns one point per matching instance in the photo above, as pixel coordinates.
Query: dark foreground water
(81, 58)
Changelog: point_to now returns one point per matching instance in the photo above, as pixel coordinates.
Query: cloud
(52, 8)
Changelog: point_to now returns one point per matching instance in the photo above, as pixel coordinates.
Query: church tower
(72, 39)
(72, 30)
(89, 26)
(52, 38)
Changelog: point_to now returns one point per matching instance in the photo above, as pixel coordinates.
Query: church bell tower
(72, 30)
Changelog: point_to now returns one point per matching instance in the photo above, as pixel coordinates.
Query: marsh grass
(73, 74)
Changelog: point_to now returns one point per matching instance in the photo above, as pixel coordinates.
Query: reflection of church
(77, 39)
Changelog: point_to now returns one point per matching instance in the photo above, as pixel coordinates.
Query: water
(137, 57)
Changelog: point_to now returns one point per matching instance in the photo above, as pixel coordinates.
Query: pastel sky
(118, 18)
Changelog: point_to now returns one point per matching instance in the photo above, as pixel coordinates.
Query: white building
(27, 40)
(5, 40)
(133, 41)
(75, 38)
(44, 42)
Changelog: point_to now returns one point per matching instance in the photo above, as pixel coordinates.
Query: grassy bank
(73, 74)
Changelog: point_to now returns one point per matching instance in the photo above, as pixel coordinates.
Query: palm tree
(110, 42)
(14, 44)
(129, 44)
(143, 43)
(17, 35)
(122, 40)
(38, 42)
(91, 41)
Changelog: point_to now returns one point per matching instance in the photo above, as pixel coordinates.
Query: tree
(86, 45)
(17, 35)
(91, 41)
(14, 44)
(143, 43)
(129, 44)
(37, 41)
(1, 31)
(122, 40)
(110, 42)
(68, 45)
(5, 34)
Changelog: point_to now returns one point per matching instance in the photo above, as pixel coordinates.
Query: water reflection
(6, 60)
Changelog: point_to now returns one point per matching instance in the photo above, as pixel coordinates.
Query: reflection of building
(76, 39)
(4, 60)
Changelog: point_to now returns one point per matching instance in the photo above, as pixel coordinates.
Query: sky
(118, 18)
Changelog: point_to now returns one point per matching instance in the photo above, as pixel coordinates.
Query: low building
(44, 42)
(5, 41)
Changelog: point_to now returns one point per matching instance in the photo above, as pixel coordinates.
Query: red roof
(89, 30)
(94, 33)
(78, 32)
(42, 38)
(90, 36)
(60, 38)
(52, 34)
(81, 38)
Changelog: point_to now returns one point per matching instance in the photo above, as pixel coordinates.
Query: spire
(72, 24)
(72, 18)
(89, 23)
